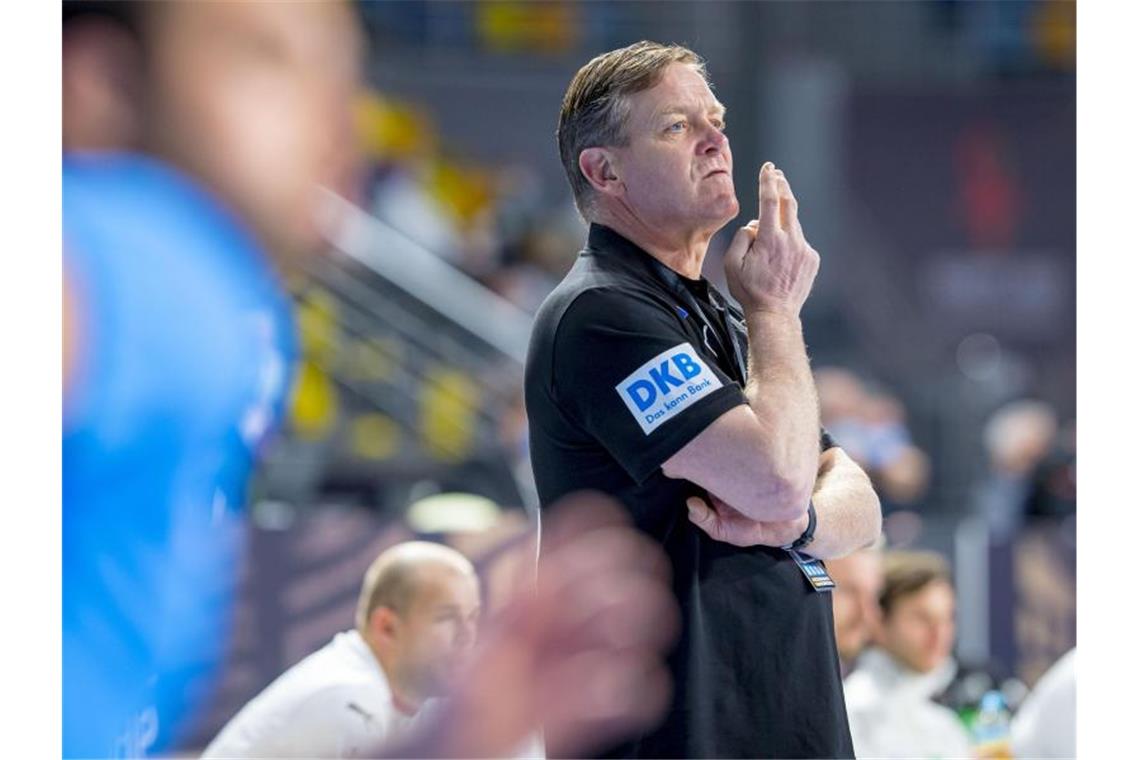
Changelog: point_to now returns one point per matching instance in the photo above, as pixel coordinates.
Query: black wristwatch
(807, 536)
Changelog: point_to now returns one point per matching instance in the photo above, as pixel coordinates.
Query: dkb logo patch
(666, 385)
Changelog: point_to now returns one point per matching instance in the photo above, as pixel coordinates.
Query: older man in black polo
(701, 418)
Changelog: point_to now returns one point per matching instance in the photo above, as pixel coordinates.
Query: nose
(714, 140)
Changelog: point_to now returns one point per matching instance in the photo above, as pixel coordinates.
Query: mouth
(715, 172)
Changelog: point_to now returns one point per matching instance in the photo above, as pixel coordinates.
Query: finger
(577, 514)
(740, 244)
(605, 553)
(614, 612)
(769, 198)
(699, 511)
(789, 208)
(581, 520)
(704, 518)
(595, 700)
(697, 507)
(734, 257)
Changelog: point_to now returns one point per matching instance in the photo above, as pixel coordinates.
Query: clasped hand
(724, 523)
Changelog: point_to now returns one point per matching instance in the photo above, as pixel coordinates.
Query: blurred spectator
(889, 696)
(401, 199)
(415, 622)
(538, 245)
(416, 186)
(1018, 436)
(855, 601)
(1046, 724)
(871, 427)
(1054, 490)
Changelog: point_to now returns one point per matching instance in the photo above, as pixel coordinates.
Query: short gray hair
(595, 107)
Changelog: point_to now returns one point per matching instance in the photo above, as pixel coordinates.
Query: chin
(926, 666)
(728, 207)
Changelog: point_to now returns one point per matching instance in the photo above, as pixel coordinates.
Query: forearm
(781, 392)
(848, 514)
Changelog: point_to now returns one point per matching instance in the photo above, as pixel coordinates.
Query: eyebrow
(719, 109)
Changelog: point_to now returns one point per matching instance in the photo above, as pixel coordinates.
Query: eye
(719, 124)
(677, 127)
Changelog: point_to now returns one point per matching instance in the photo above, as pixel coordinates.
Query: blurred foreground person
(178, 342)
(1046, 722)
(855, 601)
(178, 335)
(415, 621)
(889, 696)
(181, 346)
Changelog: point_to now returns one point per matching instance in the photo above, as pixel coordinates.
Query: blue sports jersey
(185, 343)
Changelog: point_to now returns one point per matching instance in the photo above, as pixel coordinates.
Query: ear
(383, 624)
(102, 84)
(600, 169)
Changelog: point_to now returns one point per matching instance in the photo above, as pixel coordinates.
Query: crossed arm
(848, 514)
(760, 462)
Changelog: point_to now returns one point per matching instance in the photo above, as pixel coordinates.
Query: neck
(405, 698)
(682, 250)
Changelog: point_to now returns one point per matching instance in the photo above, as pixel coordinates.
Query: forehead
(861, 568)
(441, 585)
(937, 595)
(682, 88)
(325, 29)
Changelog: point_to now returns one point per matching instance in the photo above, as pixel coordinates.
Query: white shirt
(334, 703)
(1046, 724)
(891, 714)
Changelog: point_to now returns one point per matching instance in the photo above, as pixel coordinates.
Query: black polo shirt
(628, 362)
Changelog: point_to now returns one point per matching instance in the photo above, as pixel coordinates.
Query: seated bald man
(415, 621)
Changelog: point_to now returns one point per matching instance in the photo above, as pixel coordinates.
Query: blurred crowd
(908, 696)
(491, 222)
(1030, 465)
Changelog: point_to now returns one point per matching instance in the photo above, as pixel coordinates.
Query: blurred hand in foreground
(577, 654)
